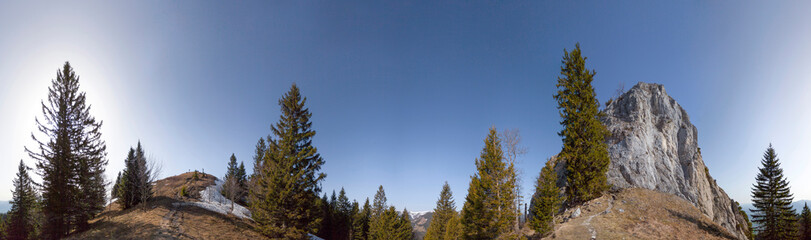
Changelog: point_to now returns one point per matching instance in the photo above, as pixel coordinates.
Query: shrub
(184, 192)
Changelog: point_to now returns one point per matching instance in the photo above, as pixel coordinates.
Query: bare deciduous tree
(512, 144)
(232, 190)
(152, 169)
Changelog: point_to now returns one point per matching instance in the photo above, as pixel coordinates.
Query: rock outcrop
(653, 145)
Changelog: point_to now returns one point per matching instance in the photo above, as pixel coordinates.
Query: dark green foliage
(72, 159)
(261, 149)
(453, 229)
(772, 200)
(23, 219)
(584, 149)
(805, 223)
(195, 176)
(379, 204)
(136, 179)
(445, 210)
(342, 218)
(283, 202)
(351, 222)
(325, 230)
(546, 201)
(235, 181)
(489, 211)
(3, 226)
(116, 187)
(390, 225)
(360, 222)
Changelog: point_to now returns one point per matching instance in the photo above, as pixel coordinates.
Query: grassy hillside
(637, 214)
(166, 217)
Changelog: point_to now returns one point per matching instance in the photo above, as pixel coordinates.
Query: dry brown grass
(163, 218)
(645, 214)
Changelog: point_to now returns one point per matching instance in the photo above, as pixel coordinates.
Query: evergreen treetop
(22, 222)
(584, 149)
(445, 209)
(283, 202)
(805, 223)
(489, 211)
(72, 160)
(546, 201)
(772, 200)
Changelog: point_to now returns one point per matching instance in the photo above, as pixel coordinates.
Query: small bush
(184, 192)
(195, 176)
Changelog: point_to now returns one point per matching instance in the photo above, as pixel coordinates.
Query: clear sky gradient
(403, 93)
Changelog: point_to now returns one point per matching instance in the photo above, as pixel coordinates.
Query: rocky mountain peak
(654, 146)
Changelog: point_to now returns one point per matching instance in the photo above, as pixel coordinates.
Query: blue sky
(403, 93)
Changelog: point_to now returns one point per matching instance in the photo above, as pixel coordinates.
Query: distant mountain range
(5, 206)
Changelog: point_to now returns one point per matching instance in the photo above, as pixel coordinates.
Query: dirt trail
(171, 225)
(587, 223)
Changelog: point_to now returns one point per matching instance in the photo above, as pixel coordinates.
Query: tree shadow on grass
(710, 228)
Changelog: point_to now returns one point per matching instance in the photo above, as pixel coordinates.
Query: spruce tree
(114, 191)
(22, 222)
(128, 191)
(805, 223)
(231, 180)
(584, 150)
(342, 217)
(445, 209)
(325, 229)
(772, 200)
(379, 205)
(453, 229)
(546, 200)
(259, 154)
(351, 223)
(390, 225)
(72, 159)
(283, 205)
(404, 229)
(360, 222)
(489, 211)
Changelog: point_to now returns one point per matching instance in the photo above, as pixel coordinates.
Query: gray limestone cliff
(653, 145)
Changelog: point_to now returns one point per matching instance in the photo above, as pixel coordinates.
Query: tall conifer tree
(546, 200)
(772, 200)
(72, 160)
(445, 210)
(489, 211)
(360, 222)
(284, 203)
(22, 223)
(404, 229)
(584, 150)
(805, 223)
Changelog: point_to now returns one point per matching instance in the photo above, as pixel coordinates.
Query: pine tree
(72, 160)
(283, 205)
(342, 217)
(453, 229)
(115, 190)
(22, 217)
(805, 223)
(352, 213)
(772, 200)
(546, 200)
(584, 150)
(445, 209)
(404, 229)
(489, 211)
(128, 190)
(389, 225)
(379, 205)
(259, 154)
(325, 229)
(360, 222)
(242, 179)
(231, 187)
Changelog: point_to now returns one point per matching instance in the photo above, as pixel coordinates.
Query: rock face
(653, 145)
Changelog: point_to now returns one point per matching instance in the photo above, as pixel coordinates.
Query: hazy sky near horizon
(403, 93)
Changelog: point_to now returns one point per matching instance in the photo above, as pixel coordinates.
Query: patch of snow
(211, 199)
(417, 214)
(313, 237)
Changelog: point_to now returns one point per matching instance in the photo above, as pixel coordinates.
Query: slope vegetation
(170, 216)
(637, 213)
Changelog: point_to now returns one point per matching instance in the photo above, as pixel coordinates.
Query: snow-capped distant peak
(417, 214)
